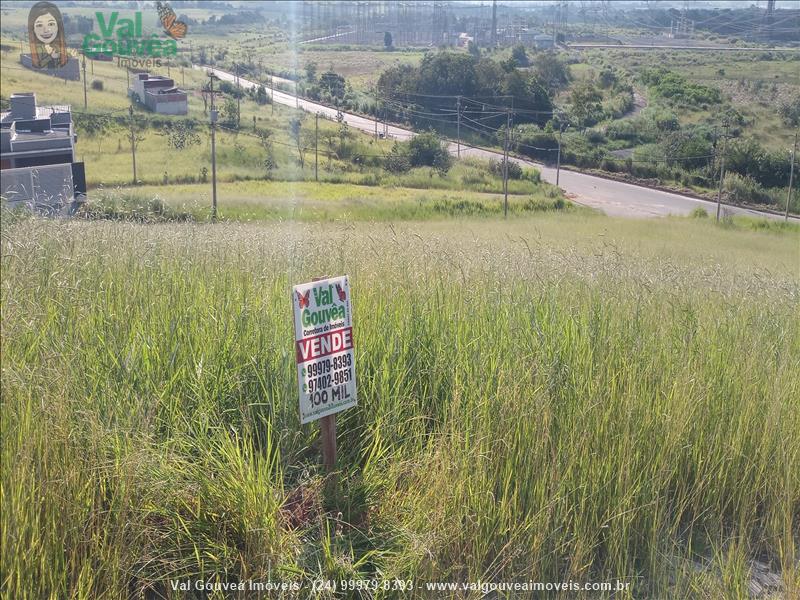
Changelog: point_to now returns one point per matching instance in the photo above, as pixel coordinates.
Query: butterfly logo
(341, 292)
(304, 299)
(172, 27)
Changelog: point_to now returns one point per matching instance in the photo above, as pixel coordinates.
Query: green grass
(562, 397)
(309, 201)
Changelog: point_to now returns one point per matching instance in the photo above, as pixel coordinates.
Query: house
(543, 41)
(464, 39)
(37, 156)
(159, 94)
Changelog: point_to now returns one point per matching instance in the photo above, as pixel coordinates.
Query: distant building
(159, 94)
(464, 39)
(543, 41)
(70, 71)
(37, 156)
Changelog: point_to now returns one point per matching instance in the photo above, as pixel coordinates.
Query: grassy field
(309, 201)
(560, 397)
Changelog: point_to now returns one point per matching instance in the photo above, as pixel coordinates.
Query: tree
(447, 73)
(586, 108)
(295, 132)
(229, 114)
(94, 126)
(261, 96)
(790, 112)
(311, 71)
(528, 95)
(344, 131)
(333, 83)
(397, 160)
(519, 56)
(269, 162)
(473, 49)
(387, 41)
(550, 71)
(426, 149)
(607, 78)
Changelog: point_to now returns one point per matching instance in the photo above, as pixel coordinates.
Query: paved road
(676, 47)
(614, 198)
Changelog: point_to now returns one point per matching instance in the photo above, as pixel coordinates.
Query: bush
(677, 89)
(427, 150)
(790, 112)
(97, 84)
(534, 142)
(514, 169)
(742, 188)
(397, 161)
(698, 212)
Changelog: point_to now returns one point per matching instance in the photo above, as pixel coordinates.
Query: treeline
(424, 94)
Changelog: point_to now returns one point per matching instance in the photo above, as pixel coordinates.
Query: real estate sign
(323, 333)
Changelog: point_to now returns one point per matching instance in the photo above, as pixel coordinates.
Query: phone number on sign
(321, 367)
(348, 585)
(323, 382)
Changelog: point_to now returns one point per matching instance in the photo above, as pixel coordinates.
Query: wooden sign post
(323, 325)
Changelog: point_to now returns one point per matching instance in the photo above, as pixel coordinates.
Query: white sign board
(323, 333)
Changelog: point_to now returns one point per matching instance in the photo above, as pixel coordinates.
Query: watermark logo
(46, 36)
(172, 27)
(125, 37)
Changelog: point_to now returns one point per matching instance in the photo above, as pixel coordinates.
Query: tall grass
(536, 401)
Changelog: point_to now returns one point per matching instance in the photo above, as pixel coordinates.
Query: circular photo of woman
(46, 36)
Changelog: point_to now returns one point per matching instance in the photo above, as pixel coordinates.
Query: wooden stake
(327, 433)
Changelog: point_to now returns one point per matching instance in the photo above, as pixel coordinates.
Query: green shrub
(514, 169)
(397, 161)
(743, 188)
(428, 150)
(698, 212)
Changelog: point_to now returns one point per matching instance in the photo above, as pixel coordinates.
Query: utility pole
(213, 119)
(722, 170)
(316, 146)
(505, 165)
(458, 111)
(183, 78)
(558, 160)
(376, 111)
(791, 178)
(85, 101)
(133, 143)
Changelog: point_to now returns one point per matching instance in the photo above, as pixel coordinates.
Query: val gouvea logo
(125, 37)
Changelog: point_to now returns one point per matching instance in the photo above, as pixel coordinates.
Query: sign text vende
(324, 344)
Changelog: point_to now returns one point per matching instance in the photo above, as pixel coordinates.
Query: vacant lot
(556, 398)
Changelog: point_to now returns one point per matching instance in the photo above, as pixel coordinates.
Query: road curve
(615, 198)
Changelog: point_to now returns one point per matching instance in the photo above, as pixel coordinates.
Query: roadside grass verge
(309, 201)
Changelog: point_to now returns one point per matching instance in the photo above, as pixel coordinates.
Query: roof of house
(42, 112)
